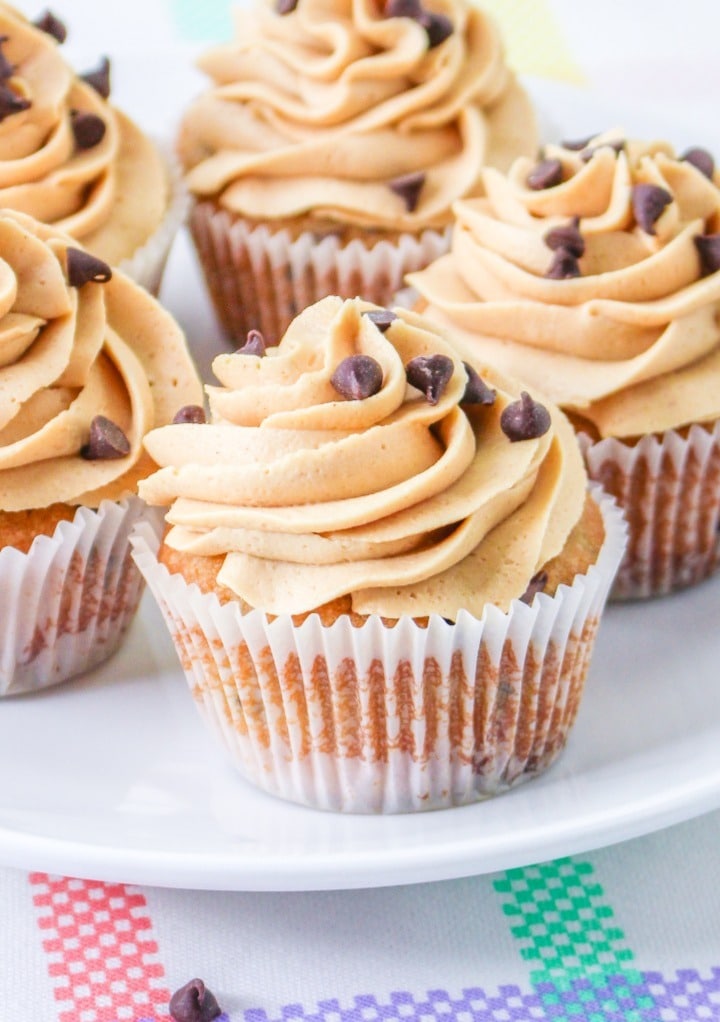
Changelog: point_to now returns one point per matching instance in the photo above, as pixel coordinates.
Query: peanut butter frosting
(89, 363)
(362, 456)
(67, 156)
(593, 275)
(348, 110)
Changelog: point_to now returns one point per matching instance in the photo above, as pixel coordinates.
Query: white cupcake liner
(147, 264)
(261, 279)
(66, 603)
(386, 720)
(669, 490)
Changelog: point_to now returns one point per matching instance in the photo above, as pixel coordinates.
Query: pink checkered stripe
(102, 957)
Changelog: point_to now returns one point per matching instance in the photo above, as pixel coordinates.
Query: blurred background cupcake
(593, 275)
(90, 363)
(384, 572)
(69, 158)
(326, 155)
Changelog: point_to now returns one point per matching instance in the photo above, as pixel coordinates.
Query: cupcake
(70, 159)
(383, 570)
(89, 363)
(593, 275)
(327, 154)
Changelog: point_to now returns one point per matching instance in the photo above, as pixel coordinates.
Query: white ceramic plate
(114, 777)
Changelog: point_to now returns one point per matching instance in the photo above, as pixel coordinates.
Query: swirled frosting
(316, 111)
(408, 506)
(599, 285)
(71, 353)
(110, 195)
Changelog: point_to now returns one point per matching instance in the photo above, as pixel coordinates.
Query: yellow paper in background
(534, 41)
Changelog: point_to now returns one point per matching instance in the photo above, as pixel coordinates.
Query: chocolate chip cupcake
(71, 159)
(90, 363)
(327, 154)
(595, 276)
(383, 571)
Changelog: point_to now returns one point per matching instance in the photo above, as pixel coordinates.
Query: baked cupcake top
(67, 157)
(370, 115)
(593, 275)
(89, 362)
(362, 456)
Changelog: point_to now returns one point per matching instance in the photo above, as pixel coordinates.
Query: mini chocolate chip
(536, 585)
(88, 129)
(587, 154)
(545, 174)
(701, 159)
(577, 144)
(285, 6)
(47, 22)
(190, 413)
(382, 318)
(194, 1003)
(567, 237)
(430, 374)
(403, 9)
(438, 27)
(408, 187)
(106, 441)
(708, 246)
(648, 202)
(357, 377)
(99, 78)
(564, 266)
(525, 419)
(254, 344)
(11, 103)
(477, 391)
(7, 70)
(83, 268)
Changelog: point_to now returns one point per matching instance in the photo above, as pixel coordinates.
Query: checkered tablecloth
(626, 934)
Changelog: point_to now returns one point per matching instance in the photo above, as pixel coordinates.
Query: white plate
(113, 776)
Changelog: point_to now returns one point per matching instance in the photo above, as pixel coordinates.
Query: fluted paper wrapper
(385, 720)
(261, 279)
(147, 264)
(66, 604)
(669, 490)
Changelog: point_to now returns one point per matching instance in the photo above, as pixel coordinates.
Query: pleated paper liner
(669, 490)
(260, 278)
(66, 604)
(382, 719)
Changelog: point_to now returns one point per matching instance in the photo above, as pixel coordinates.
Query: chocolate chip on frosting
(438, 27)
(536, 585)
(194, 1003)
(648, 202)
(190, 413)
(285, 6)
(567, 237)
(254, 344)
(88, 129)
(403, 9)
(701, 159)
(106, 441)
(525, 419)
(617, 144)
(576, 145)
(564, 265)
(47, 22)
(545, 174)
(11, 103)
(7, 70)
(382, 318)
(430, 374)
(83, 268)
(357, 377)
(708, 246)
(408, 187)
(99, 78)
(477, 391)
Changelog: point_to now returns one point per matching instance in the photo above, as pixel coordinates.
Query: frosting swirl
(71, 353)
(105, 186)
(593, 276)
(318, 110)
(412, 501)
